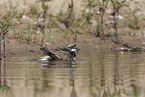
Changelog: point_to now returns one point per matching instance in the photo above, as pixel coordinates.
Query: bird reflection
(72, 76)
(47, 82)
(71, 65)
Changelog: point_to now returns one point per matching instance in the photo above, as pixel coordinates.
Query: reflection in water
(3, 86)
(102, 72)
(47, 77)
(0, 74)
(72, 80)
(133, 82)
(105, 74)
(116, 75)
(102, 76)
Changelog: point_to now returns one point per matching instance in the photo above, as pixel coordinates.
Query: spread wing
(49, 53)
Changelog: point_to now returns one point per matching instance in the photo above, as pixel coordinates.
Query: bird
(68, 53)
(68, 50)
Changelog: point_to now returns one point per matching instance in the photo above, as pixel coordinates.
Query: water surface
(94, 74)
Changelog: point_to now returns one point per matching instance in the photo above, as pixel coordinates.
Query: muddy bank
(15, 47)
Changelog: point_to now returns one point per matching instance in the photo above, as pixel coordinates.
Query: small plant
(87, 12)
(45, 8)
(4, 29)
(116, 6)
(44, 35)
(135, 22)
(75, 33)
(5, 88)
(20, 36)
(43, 14)
(61, 16)
(29, 37)
(71, 5)
(98, 30)
(102, 6)
(87, 16)
(33, 9)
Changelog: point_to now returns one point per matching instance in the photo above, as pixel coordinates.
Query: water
(94, 74)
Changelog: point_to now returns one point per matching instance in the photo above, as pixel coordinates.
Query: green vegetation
(116, 7)
(5, 88)
(40, 21)
(4, 29)
(102, 4)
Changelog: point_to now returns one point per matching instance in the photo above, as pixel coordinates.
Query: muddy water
(94, 74)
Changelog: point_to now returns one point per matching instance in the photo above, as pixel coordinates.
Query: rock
(123, 49)
(119, 17)
(62, 26)
(94, 22)
(41, 19)
(143, 42)
(134, 49)
(132, 33)
(143, 34)
(87, 10)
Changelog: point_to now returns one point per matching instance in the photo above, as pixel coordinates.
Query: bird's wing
(49, 53)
